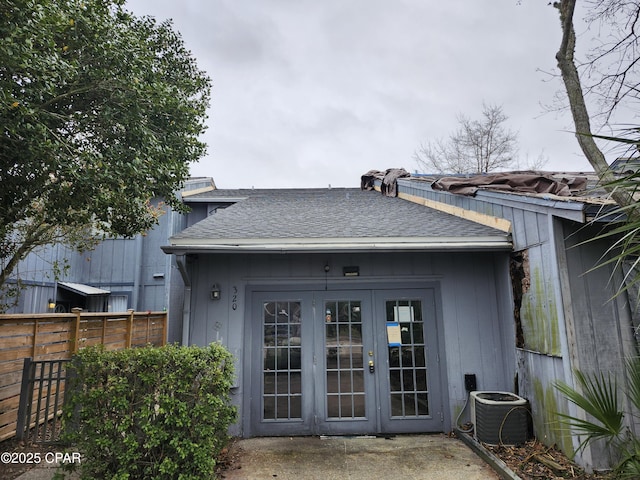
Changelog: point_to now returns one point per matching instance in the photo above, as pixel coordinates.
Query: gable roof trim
(196, 191)
(213, 199)
(477, 217)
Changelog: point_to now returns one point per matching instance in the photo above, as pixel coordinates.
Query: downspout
(181, 261)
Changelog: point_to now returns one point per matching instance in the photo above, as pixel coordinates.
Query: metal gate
(41, 400)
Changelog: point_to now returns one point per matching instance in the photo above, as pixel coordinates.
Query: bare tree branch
(610, 73)
(477, 146)
(573, 87)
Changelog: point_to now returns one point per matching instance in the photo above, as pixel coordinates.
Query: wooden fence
(58, 336)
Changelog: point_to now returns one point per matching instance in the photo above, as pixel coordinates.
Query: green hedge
(149, 413)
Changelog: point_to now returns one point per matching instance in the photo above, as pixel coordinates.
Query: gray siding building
(353, 312)
(347, 311)
(119, 274)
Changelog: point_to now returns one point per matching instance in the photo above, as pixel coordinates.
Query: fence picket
(58, 336)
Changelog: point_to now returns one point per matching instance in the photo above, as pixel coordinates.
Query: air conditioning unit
(499, 418)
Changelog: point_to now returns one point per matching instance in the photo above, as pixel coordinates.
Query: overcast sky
(308, 93)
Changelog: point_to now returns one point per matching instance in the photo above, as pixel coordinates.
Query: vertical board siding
(537, 377)
(606, 328)
(473, 334)
(520, 241)
(539, 310)
(474, 314)
(532, 230)
(113, 265)
(113, 261)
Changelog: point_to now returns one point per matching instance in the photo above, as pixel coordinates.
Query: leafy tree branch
(100, 113)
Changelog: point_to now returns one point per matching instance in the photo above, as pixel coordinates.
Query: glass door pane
(344, 360)
(281, 361)
(409, 393)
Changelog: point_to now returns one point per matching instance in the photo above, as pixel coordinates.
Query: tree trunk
(573, 87)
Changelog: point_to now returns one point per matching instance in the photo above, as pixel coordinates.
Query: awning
(82, 289)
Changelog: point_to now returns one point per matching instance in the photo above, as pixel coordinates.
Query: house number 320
(234, 298)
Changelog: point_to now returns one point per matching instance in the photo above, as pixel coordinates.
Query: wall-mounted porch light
(51, 304)
(215, 292)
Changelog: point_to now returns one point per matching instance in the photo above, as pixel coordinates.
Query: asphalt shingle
(335, 213)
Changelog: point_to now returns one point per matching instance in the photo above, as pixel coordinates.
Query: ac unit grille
(499, 418)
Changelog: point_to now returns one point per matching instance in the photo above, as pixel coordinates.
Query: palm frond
(600, 401)
(625, 235)
(629, 466)
(628, 141)
(623, 250)
(633, 379)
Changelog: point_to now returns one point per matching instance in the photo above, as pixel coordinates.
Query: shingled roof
(334, 219)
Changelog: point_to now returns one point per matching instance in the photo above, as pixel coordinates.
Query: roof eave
(435, 245)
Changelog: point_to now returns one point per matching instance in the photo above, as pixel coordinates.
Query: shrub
(152, 413)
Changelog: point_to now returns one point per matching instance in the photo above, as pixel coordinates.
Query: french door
(344, 362)
(345, 393)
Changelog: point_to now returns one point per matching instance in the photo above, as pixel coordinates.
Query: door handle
(372, 367)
